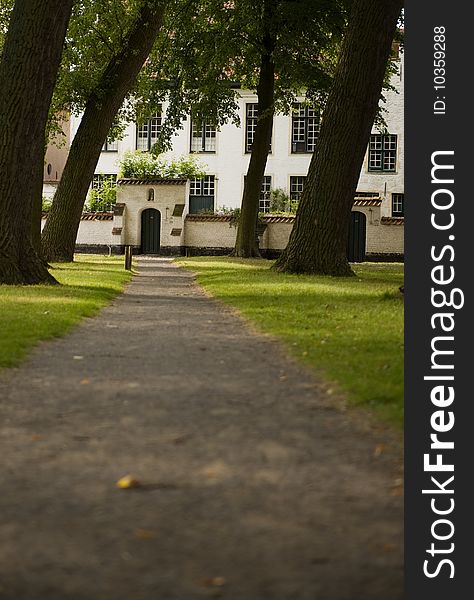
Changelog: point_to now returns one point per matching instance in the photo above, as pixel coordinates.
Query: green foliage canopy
(211, 48)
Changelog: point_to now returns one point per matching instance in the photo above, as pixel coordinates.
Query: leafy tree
(28, 69)
(280, 48)
(318, 240)
(129, 49)
(296, 44)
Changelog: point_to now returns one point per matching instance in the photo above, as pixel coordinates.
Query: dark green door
(356, 241)
(151, 225)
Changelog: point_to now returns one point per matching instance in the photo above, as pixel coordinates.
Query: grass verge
(349, 329)
(29, 314)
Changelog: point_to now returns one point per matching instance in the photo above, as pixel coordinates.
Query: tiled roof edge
(392, 221)
(151, 181)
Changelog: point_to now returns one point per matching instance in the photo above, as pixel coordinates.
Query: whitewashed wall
(381, 238)
(229, 163)
(95, 231)
(165, 198)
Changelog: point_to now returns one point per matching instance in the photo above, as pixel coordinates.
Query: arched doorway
(356, 241)
(151, 227)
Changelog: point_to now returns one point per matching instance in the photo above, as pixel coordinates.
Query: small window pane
(398, 201)
(305, 125)
(296, 187)
(203, 137)
(148, 133)
(382, 152)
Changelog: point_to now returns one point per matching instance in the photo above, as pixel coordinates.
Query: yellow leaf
(127, 482)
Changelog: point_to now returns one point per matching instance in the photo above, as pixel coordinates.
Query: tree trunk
(60, 231)
(28, 70)
(246, 241)
(318, 240)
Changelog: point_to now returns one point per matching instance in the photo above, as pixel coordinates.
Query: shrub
(280, 202)
(103, 198)
(141, 165)
(46, 204)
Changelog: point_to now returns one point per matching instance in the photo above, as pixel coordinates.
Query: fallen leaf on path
(37, 438)
(145, 534)
(214, 582)
(127, 482)
(85, 381)
(181, 439)
(379, 449)
(77, 357)
(216, 471)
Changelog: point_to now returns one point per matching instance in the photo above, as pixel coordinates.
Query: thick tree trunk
(60, 232)
(246, 241)
(318, 240)
(28, 71)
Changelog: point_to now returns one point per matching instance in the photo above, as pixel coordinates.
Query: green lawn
(349, 329)
(32, 313)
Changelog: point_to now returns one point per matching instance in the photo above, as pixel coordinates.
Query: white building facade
(226, 153)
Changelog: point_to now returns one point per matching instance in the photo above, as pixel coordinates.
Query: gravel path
(254, 485)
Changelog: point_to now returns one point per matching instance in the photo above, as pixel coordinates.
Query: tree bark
(60, 231)
(28, 70)
(246, 240)
(318, 240)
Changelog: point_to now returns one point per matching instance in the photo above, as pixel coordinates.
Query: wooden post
(128, 258)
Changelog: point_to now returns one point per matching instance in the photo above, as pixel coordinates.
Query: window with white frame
(264, 198)
(398, 205)
(110, 146)
(148, 133)
(305, 124)
(201, 194)
(99, 179)
(203, 137)
(382, 152)
(296, 187)
(251, 118)
(103, 194)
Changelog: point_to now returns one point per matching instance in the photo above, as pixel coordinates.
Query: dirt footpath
(253, 484)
